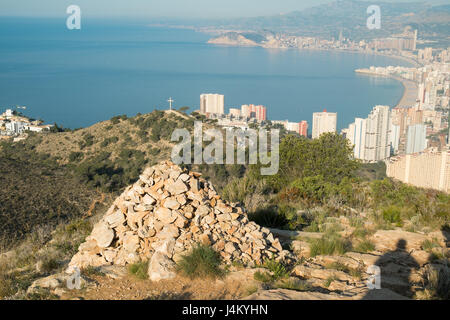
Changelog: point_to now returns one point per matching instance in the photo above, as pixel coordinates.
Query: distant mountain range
(350, 17)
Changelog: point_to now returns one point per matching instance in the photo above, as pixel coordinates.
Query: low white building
(16, 127)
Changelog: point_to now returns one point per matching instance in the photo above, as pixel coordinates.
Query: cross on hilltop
(170, 101)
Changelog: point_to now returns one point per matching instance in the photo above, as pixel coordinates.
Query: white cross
(170, 101)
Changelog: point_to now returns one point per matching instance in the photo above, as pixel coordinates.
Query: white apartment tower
(378, 129)
(323, 122)
(416, 140)
(212, 103)
(356, 133)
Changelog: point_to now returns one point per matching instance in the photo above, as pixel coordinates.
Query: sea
(76, 78)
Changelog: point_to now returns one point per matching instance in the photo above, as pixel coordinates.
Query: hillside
(93, 164)
(333, 215)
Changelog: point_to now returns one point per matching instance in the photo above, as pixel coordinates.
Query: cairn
(163, 215)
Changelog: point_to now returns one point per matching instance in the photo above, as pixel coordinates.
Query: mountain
(350, 16)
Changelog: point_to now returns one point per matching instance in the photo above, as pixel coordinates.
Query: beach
(409, 94)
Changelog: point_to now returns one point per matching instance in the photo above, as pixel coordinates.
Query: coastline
(410, 88)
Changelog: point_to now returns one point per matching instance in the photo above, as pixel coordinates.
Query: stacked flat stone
(168, 210)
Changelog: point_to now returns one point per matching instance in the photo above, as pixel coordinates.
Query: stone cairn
(163, 215)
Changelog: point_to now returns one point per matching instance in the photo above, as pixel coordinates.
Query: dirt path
(132, 288)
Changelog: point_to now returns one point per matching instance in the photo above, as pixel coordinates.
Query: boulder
(161, 267)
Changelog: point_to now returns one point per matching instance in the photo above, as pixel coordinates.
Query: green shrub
(328, 245)
(392, 214)
(365, 246)
(429, 245)
(93, 271)
(6, 284)
(139, 269)
(277, 268)
(264, 277)
(202, 261)
(294, 284)
(75, 156)
(329, 280)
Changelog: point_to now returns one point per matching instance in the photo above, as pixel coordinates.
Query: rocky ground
(168, 210)
(337, 277)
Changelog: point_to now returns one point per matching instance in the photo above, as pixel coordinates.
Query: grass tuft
(202, 261)
(139, 270)
(329, 245)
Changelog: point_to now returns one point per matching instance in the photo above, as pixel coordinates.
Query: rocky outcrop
(161, 216)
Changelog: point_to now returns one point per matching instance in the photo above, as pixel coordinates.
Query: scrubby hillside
(337, 216)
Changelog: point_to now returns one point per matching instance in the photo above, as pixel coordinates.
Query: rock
(422, 257)
(285, 294)
(365, 258)
(160, 267)
(388, 240)
(178, 187)
(148, 200)
(165, 247)
(171, 203)
(230, 247)
(380, 294)
(324, 274)
(296, 234)
(165, 215)
(103, 234)
(346, 261)
(169, 231)
(131, 242)
(301, 248)
(115, 219)
(184, 177)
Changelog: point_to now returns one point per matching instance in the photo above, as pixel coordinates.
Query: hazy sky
(159, 8)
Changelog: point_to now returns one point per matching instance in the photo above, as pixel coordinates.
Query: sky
(160, 8)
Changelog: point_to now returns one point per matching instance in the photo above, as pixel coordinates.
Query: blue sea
(79, 77)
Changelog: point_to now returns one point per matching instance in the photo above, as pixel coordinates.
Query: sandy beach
(409, 94)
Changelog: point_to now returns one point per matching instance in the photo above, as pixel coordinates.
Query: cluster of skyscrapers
(384, 133)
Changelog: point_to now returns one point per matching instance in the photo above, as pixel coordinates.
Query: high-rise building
(395, 138)
(303, 128)
(378, 127)
(299, 127)
(235, 112)
(356, 133)
(212, 103)
(416, 140)
(252, 111)
(323, 122)
(429, 169)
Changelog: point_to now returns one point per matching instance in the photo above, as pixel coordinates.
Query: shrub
(202, 261)
(6, 283)
(294, 284)
(263, 277)
(365, 246)
(277, 268)
(268, 217)
(50, 264)
(92, 271)
(139, 269)
(329, 280)
(429, 245)
(436, 282)
(328, 245)
(392, 215)
(75, 156)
